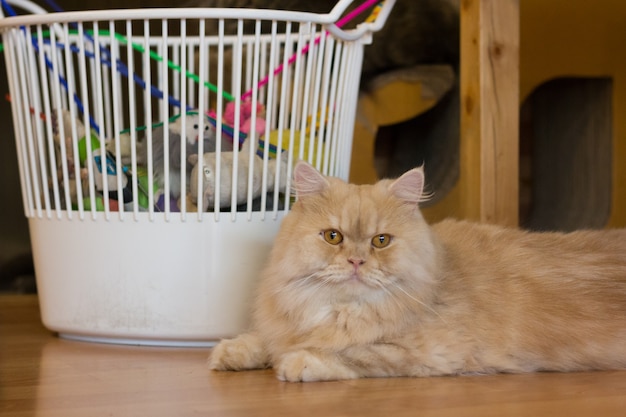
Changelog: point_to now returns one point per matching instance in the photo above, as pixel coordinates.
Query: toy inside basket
(157, 145)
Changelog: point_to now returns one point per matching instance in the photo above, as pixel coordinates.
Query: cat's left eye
(381, 241)
(333, 237)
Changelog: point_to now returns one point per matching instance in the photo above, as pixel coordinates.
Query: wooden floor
(43, 375)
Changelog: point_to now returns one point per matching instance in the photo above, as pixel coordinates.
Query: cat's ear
(410, 186)
(307, 180)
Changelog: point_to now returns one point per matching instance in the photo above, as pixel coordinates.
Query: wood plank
(490, 110)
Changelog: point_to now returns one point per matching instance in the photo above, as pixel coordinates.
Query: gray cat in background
(416, 32)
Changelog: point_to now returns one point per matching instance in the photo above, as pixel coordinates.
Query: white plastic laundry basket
(102, 103)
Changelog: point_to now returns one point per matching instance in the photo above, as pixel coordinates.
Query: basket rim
(165, 13)
(328, 20)
(85, 16)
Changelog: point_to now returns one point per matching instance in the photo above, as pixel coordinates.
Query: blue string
(122, 69)
(54, 6)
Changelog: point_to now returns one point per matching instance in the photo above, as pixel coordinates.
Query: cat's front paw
(243, 352)
(307, 366)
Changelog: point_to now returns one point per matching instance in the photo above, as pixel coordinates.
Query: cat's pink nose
(356, 261)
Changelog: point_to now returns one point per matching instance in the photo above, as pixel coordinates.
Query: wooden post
(490, 110)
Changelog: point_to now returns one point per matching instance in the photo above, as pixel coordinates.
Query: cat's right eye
(332, 236)
(381, 241)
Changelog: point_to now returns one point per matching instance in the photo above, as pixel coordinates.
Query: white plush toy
(192, 122)
(208, 177)
(124, 148)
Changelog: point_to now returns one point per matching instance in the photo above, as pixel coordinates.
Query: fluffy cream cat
(359, 285)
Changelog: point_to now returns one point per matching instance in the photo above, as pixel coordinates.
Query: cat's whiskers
(295, 283)
(393, 297)
(423, 304)
(314, 281)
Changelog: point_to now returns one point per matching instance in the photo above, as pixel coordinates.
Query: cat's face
(347, 242)
(194, 131)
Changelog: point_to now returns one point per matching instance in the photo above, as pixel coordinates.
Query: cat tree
(566, 76)
(487, 188)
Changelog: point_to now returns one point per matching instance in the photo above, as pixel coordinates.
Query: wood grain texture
(490, 110)
(48, 377)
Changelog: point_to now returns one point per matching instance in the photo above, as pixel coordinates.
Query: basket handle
(363, 28)
(30, 7)
(26, 5)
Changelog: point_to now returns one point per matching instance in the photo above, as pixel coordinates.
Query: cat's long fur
(454, 298)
